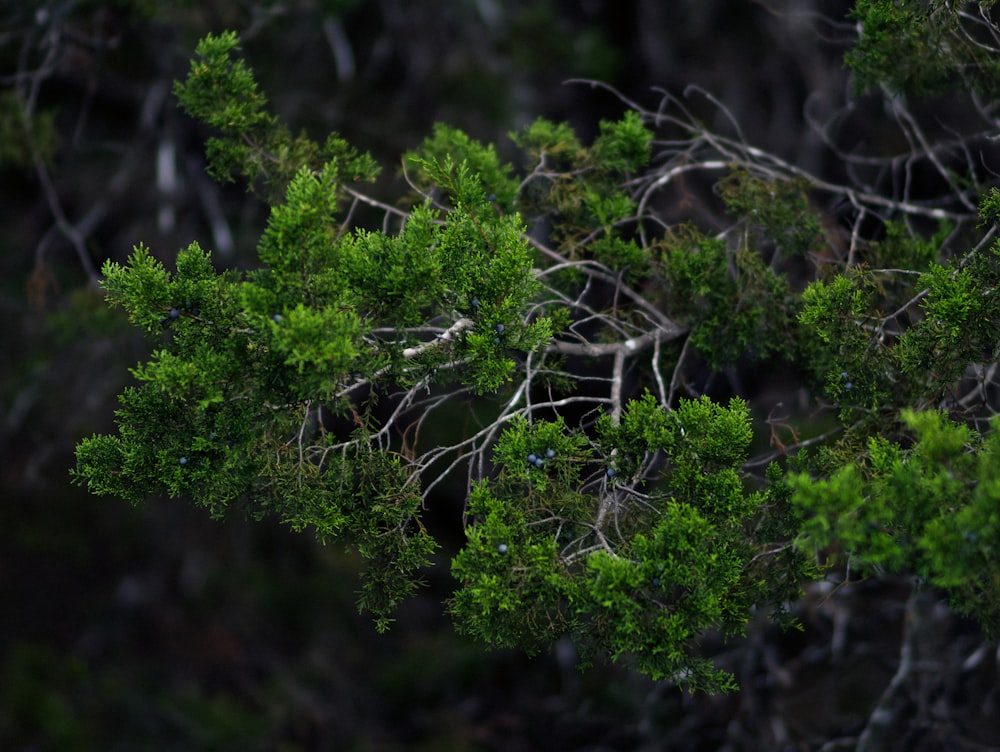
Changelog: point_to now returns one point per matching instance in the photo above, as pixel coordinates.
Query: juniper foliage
(547, 309)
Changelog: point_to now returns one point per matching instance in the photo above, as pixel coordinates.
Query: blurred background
(158, 628)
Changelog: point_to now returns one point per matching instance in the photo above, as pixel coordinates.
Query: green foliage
(734, 302)
(902, 248)
(449, 146)
(506, 296)
(627, 568)
(863, 354)
(221, 91)
(921, 48)
(960, 318)
(842, 314)
(929, 509)
(989, 207)
(779, 211)
(579, 189)
(899, 493)
(623, 146)
(230, 408)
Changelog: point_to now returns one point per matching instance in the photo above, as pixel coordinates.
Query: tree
(568, 327)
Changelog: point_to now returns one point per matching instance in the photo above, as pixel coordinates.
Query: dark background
(157, 628)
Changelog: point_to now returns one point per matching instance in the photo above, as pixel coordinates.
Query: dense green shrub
(550, 313)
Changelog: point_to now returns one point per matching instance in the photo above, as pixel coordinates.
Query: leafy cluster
(559, 327)
(924, 48)
(930, 509)
(627, 563)
(580, 191)
(736, 304)
(221, 91)
(885, 343)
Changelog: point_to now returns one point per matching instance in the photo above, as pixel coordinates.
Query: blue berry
(492, 197)
(848, 386)
(174, 313)
(496, 340)
(277, 318)
(475, 303)
(502, 548)
(539, 462)
(656, 582)
(499, 328)
(183, 461)
(550, 453)
(611, 472)
(532, 458)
